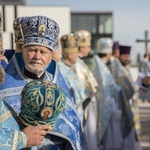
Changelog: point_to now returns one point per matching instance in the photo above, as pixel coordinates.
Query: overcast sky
(131, 17)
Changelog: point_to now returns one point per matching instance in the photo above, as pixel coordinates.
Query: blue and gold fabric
(10, 136)
(39, 30)
(106, 89)
(17, 30)
(41, 103)
(68, 125)
(76, 86)
(69, 46)
(83, 38)
(121, 77)
(86, 76)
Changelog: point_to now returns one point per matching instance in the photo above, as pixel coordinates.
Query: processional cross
(146, 40)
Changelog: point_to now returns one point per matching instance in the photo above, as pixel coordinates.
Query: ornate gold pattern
(48, 31)
(42, 103)
(68, 50)
(83, 38)
(34, 100)
(15, 141)
(5, 116)
(24, 138)
(69, 44)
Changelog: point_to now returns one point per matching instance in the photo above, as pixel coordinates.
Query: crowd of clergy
(54, 97)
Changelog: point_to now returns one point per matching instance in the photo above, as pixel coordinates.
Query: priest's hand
(35, 134)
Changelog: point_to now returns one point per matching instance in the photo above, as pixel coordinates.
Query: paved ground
(144, 109)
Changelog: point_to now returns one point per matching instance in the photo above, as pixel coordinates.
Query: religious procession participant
(18, 34)
(121, 75)
(76, 86)
(126, 63)
(144, 70)
(146, 84)
(42, 102)
(18, 39)
(144, 66)
(123, 78)
(37, 63)
(83, 38)
(108, 103)
(11, 138)
(145, 81)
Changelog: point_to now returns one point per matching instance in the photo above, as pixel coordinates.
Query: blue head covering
(40, 30)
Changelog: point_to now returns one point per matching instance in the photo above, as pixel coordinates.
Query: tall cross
(146, 40)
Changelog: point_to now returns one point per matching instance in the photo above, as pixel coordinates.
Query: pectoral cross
(146, 40)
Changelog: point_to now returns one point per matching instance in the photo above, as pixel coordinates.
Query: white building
(62, 15)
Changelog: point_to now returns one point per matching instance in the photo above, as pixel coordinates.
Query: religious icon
(46, 113)
(41, 30)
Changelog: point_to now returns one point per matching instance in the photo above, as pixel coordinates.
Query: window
(85, 22)
(99, 24)
(105, 24)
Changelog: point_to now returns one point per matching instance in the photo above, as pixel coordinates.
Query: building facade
(100, 24)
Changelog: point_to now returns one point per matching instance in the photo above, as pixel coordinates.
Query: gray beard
(2, 75)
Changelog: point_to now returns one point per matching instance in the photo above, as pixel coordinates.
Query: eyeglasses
(2, 52)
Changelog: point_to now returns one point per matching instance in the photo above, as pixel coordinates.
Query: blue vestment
(68, 125)
(79, 91)
(123, 78)
(10, 136)
(108, 106)
(3, 63)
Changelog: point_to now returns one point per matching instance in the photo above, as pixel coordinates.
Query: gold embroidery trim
(70, 50)
(15, 141)
(5, 116)
(24, 139)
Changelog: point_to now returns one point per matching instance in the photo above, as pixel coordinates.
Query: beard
(34, 70)
(37, 72)
(2, 75)
(125, 63)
